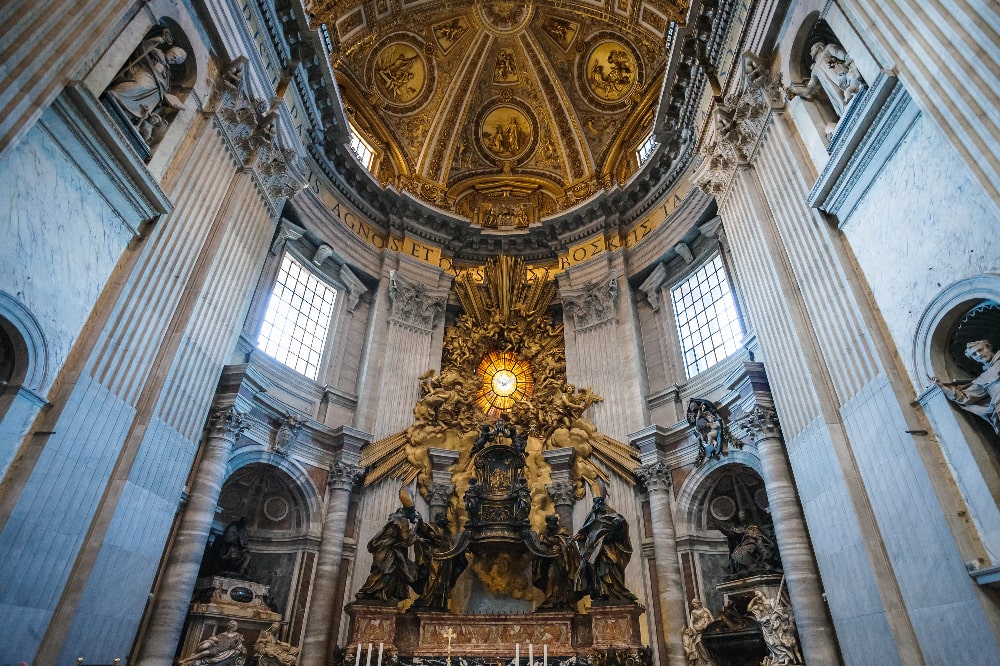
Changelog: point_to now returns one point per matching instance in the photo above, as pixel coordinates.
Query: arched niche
(726, 492)
(279, 514)
(962, 312)
(27, 353)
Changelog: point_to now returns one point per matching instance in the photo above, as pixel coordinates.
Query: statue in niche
(555, 575)
(230, 553)
(981, 396)
(694, 650)
(710, 430)
(605, 551)
(141, 90)
(439, 576)
(272, 652)
(832, 71)
(778, 627)
(752, 551)
(225, 648)
(392, 571)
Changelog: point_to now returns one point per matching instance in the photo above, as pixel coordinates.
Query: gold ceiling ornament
(507, 381)
(543, 93)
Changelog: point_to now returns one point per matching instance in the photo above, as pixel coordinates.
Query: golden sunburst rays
(506, 379)
(507, 288)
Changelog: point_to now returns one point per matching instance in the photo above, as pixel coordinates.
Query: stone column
(438, 494)
(801, 574)
(562, 490)
(316, 641)
(656, 478)
(170, 608)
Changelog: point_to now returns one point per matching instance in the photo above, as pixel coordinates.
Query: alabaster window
(361, 149)
(707, 320)
(298, 317)
(646, 149)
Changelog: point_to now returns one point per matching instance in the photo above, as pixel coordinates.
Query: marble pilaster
(316, 639)
(656, 477)
(225, 425)
(819, 644)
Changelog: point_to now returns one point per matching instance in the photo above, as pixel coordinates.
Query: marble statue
(778, 627)
(141, 90)
(833, 71)
(694, 650)
(438, 576)
(225, 648)
(605, 550)
(272, 652)
(392, 571)
(981, 396)
(708, 429)
(555, 575)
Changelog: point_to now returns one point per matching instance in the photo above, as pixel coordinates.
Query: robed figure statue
(605, 551)
(554, 575)
(436, 576)
(392, 570)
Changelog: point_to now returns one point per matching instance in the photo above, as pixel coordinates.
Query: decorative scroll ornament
(248, 127)
(343, 476)
(413, 305)
(738, 122)
(229, 422)
(655, 476)
(594, 303)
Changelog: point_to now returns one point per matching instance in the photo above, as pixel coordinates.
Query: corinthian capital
(438, 493)
(343, 476)
(228, 422)
(655, 476)
(562, 492)
(762, 422)
(413, 304)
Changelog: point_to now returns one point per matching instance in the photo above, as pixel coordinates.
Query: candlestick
(368, 661)
(357, 660)
(517, 654)
(380, 646)
(545, 655)
(531, 654)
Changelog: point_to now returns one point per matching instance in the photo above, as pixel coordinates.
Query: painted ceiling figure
(605, 551)
(392, 570)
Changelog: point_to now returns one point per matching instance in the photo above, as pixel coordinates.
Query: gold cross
(450, 634)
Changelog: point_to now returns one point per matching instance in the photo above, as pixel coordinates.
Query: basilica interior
(491, 333)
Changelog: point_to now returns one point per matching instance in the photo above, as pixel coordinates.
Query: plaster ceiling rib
(564, 122)
(447, 125)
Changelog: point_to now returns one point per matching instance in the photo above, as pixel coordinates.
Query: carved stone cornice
(738, 123)
(414, 305)
(562, 492)
(653, 284)
(592, 304)
(343, 476)
(439, 493)
(655, 476)
(228, 422)
(355, 287)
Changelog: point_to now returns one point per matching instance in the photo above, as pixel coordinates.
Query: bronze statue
(230, 554)
(392, 570)
(521, 494)
(605, 551)
(473, 500)
(752, 550)
(437, 576)
(554, 575)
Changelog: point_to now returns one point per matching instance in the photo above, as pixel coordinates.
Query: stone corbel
(684, 252)
(323, 252)
(286, 232)
(652, 285)
(355, 287)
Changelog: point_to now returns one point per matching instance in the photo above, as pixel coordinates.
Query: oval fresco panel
(505, 132)
(611, 71)
(400, 73)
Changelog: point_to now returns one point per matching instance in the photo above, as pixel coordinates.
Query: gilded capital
(228, 422)
(655, 476)
(343, 476)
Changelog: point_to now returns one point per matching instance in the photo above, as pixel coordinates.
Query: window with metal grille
(361, 149)
(707, 320)
(646, 149)
(297, 319)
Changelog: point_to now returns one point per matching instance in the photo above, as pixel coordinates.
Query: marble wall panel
(923, 186)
